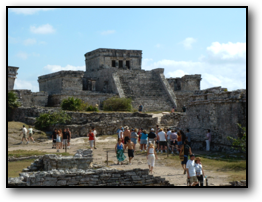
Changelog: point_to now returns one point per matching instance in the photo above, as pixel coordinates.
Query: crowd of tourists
(61, 139)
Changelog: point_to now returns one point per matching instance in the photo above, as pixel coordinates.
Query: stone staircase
(146, 89)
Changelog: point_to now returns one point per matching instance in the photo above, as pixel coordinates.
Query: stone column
(12, 72)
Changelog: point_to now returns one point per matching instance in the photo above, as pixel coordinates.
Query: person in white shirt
(121, 134)
(94, 131)
(191, 171)
(151, 156)
(168, 138)
(30, 133)
(24, 132)
(199, 170)
(162, 137)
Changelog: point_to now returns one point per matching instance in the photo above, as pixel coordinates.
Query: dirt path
(173, 174)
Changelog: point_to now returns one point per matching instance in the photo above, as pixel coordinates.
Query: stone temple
(118, 72)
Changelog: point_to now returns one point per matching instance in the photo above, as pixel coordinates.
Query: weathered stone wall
(89, 177)
(12, 72)
(219, 112)
(102, 58)
(31, 99)
(171, 120)
(62, 81)
(105, 123)
(90, 97)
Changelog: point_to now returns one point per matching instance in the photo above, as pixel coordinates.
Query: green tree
(12, 102)
(239, 141)
(46, 120)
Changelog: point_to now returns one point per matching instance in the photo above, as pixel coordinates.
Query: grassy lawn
(16, 167)
(20, 153)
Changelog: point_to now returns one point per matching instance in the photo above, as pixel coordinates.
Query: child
(199, 170)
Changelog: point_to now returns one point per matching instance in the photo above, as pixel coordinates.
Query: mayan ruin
(126, 97)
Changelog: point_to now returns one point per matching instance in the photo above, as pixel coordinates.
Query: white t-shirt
(24, 131)
(168, 134)
(120, 134)
(198, 169)
(162, 136)
(30, 130)
(190, 165)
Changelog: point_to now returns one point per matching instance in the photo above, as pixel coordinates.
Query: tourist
(30, 133)
(54, 138)
(117, 132)
(69, 138)
(65, 138)
(130, 146)
(120, 134)
(191, 171)
(143, 140)
(208, 140)
(168, 138)
(134, 136)
(179, 140)
(173, 110)
(157, 140)
(24, 132)
(151, 136)
(127, 135)
(173, 138)
(151, 156)
(119, 149)
(187, 150)
(58, 139)
(188, 136)
(162, 137)
(140, 108)
(94, 131)
(199, 171)
(139, 136)
(91, 138)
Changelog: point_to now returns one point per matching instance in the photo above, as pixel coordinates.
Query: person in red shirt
(91, 138)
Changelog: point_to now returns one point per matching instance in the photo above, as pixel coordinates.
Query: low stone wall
(89, 177)
(31, 99)
(81, 160)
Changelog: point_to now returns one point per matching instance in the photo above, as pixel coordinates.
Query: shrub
(12, 100)
(91, 108)
(239, 142)
(50, 119)
(117, 104)
(73, 104)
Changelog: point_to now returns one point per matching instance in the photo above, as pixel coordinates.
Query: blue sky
(207, 41)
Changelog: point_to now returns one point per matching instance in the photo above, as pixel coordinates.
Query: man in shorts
(127, 135)
(191, 171)
(130, 146)
(94, 131)
(24, 132)
(162, 137)
(65, 137)
(54, 138)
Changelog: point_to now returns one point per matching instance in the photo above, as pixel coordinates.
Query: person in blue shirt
(140, 108)
(143, 140)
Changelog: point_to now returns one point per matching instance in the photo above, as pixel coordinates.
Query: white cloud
(188, 42)
(107, 32)
(228, 51)
(28, 42)
(214, 68)
(22, 55)
(55, 68)
(158, 45)
(29, 11)
(22, 84)
(43, 29)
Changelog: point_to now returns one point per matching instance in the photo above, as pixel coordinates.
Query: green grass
(16, 167)
(22, 153)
